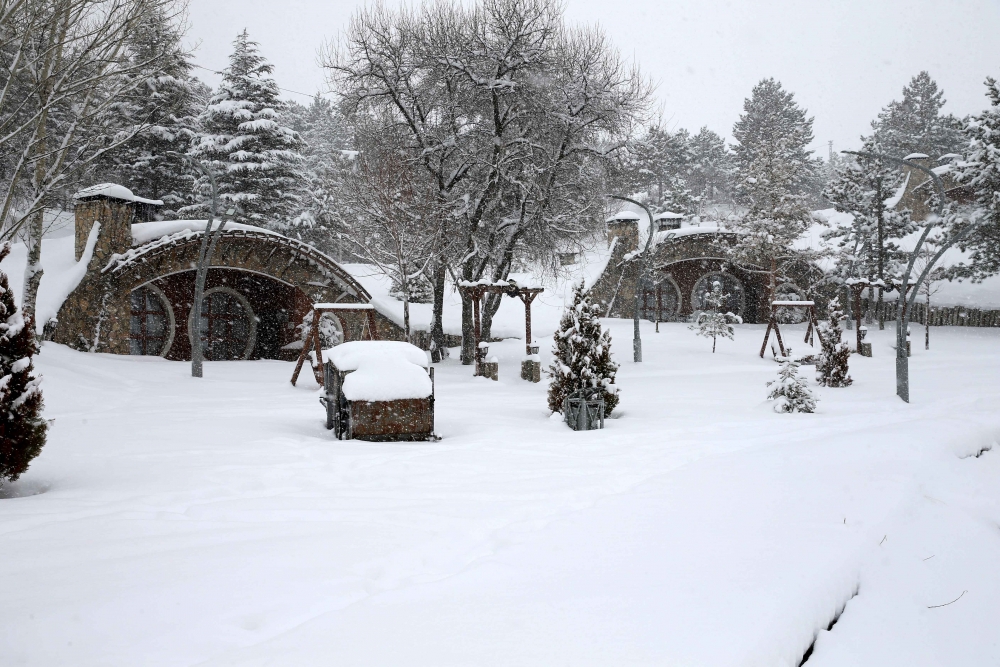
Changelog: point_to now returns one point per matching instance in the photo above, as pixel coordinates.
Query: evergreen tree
(712, 322)
(327, 152)
(981, 171)
(166, 100)
(22, 428)
(774, 172)
(658, 164)
(256, 159)
(790, 393)
(865, 188)
(582, 354)
(832, 370)
(916, 125)
(710, 172)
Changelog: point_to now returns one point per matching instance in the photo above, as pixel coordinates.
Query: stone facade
(270, 272)
(675, 269)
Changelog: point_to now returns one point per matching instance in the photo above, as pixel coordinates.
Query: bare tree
(394, 221)
(66, 66)
(507, 110)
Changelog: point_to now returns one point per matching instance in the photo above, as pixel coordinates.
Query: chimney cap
(624, 216)
(113, 191)
(916, 156)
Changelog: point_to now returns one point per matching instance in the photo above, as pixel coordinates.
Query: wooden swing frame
(313, 340)
(810, 308)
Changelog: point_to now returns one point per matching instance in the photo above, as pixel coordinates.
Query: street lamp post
(640, 280)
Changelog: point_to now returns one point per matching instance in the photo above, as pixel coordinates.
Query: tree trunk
(437, 323)
(490, 308)
(36, 227)
(927, 323)
(468, 335)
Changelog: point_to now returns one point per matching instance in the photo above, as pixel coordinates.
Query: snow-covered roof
(950, 156)
(382, 370)
(916, 156)
(144, 232)
(668, 215)
(624, 216)
(114, 191)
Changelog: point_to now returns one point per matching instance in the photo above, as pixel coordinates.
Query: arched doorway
(227, 326)
(735, 301)
(661, 301)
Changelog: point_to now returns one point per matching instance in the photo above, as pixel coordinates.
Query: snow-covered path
(215, 522)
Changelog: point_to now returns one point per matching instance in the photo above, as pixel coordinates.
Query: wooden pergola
(313, 339)
(478, 290)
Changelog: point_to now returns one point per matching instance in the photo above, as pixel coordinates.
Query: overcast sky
(843, 59)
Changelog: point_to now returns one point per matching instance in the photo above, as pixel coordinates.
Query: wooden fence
(954, 316)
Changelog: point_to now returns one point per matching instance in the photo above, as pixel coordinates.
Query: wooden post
(477, 328)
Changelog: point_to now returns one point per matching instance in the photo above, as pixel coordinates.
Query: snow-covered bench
(378, 390)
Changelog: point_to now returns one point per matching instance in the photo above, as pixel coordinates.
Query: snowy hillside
(172, 521)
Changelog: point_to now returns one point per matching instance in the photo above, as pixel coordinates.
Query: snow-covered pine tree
(166, 100)
(658, 164)
(981, 171)
(774, 174)
(255, 158)
(869, 246)
(710, 173)
(916, 125)
(22, 428)
(582, 354)
(832, 370)
(712, 322)
(327, 151)
(790, 392)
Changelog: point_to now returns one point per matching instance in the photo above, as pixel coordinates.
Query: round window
(227, 325)
(151, 328)
(731, 287)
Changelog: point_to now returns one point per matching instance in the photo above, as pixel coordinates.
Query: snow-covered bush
(22, 429)
(832, 370)
(582, 354)
(790, 393)
(330, 334)
(712, 322)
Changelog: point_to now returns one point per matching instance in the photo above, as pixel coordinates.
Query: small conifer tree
(790, 392)
(832, 370)
(582, 354)
(22, 429)
(712, 322)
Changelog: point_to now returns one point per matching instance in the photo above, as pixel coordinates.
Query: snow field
(215, 522)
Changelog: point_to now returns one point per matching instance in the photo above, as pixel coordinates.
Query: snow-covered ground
(215, 522)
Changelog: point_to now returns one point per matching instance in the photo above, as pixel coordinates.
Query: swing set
(808, 306)
(313, 339)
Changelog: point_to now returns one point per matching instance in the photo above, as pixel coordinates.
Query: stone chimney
(114, 206)
(918, 187)
(624, 226)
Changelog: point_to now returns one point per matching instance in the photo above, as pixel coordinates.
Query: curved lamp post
(641, 280)
(903, 313)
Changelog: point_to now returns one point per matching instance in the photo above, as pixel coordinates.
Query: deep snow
(215, 522)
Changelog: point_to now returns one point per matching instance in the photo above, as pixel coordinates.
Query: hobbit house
(137, 293)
